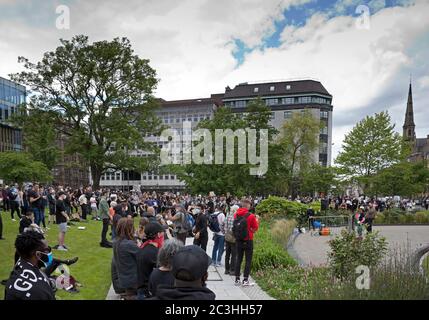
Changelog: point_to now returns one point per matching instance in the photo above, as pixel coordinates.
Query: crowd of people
(148, 233)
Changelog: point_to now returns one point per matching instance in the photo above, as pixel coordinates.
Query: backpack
(13, 194)
(214, 223)
(188, 222)
(239, 228)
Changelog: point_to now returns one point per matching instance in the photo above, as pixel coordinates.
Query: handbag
(229, 237)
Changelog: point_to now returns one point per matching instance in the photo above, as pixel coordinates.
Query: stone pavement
(313, 251)
(222, 285)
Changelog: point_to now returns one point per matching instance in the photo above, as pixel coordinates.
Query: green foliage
(298, 140)
(348, 252)
(402, 179)
(20, 167)
(267, 251)
(281, 230)
(319, 179)
(397, 216)
(276, 206)
(100, 97)
(371, 146)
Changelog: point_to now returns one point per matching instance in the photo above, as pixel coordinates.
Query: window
(288, 114)
(273, 116)
(150, 177)
(144, 177)
(271, 102)
(172, 177)
(324, 130)
(240, 104)
(323, 148)
(304, 100)
(161, 177)
(167, 177)
(102, 177)
(256, 89)
(323, 114)
(118, 176)
(288, 87)
(272, 88)
(288, 100)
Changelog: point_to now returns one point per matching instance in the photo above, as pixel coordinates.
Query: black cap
(61, 193)
(152, 228)
(193, 260)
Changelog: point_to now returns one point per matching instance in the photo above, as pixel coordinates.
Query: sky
(363, 52)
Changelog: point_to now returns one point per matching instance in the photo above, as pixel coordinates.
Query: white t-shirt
(221, 220)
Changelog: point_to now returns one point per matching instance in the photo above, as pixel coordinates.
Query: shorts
(63, 227)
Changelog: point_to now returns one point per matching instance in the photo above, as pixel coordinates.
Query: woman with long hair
(125, 252)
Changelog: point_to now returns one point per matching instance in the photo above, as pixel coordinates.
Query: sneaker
(218, 264)
(226, 271)
(65, 247)
(105, 244)
(55, 247)
(237, 282)
(69, 262)
(247, 283)
(61, 248)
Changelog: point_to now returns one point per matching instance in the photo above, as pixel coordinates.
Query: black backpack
(214, 223)
(239, 227)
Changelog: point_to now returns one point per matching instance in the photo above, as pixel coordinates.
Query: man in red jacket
(244, 243)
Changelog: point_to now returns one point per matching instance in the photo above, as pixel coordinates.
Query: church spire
(409, 126)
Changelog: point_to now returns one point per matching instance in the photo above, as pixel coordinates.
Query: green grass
(92, 270)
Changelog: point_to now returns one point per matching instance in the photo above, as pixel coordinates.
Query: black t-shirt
(27, 282)
(38, 202)
(201, 223)
(146, 262)
(60, 207)
(158, 277)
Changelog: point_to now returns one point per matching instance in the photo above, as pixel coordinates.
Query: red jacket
(252, 222)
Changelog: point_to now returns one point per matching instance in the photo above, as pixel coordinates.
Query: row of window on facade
(6, 112)
(11, 94)
(183, 118)
(280, 101)
(145, 176)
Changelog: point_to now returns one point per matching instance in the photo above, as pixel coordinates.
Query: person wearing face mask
(27, 281)
(147, 257)
(201, 235)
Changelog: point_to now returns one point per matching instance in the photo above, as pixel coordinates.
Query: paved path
(222, 285)
(313, 251)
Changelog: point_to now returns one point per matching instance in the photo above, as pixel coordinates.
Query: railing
(334, 223)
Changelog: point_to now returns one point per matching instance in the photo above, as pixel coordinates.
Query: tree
(319, 179)
(370, 146)
(19, 167)
(223, 178)
(39, 136)
(299, 141)
(402, 179)
(99, 96)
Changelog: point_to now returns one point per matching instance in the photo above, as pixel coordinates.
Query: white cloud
(190, 45)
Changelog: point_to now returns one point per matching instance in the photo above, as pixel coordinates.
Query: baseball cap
(152, 228)
(190, 259)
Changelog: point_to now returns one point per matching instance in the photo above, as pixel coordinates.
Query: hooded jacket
(184, 293)
(252, 223)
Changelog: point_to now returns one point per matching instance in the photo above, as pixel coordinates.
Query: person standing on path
(230, 246)
(35, 200)
(245, 226)
(219, 237)
(201, 236)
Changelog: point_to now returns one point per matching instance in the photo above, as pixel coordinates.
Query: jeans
(218, 247)
(230, 256)
(37, 216)
(243, 248)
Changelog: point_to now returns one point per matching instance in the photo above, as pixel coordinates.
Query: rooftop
(275, 88)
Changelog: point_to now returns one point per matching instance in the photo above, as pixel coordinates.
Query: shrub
(348, 252)
(393, 279)
(422, 217)
(268, 252)
(277, 206)
(379, 218)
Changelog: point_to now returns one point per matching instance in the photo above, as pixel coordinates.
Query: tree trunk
(96, 176)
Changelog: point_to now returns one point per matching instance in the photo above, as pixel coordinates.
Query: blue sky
(297, 15)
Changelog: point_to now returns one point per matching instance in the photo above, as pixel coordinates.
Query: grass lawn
(92, 270)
